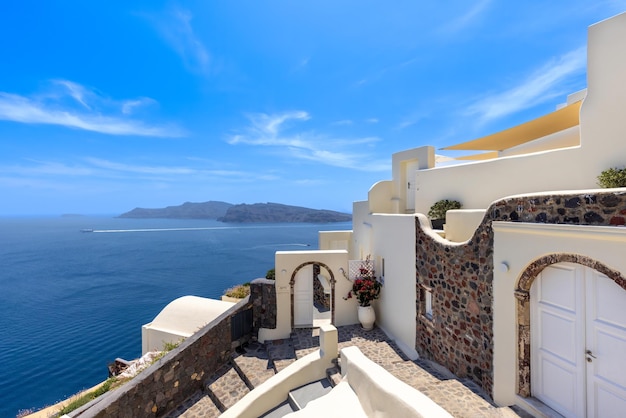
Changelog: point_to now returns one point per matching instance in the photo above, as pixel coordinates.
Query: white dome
(188, 314)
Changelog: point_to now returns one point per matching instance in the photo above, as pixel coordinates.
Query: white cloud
(175, 27)
(269, 131)
(129, 106)
(468, 18)
(76, 91)
(91, 168)
(544, 84)
(158, 170)
(50, 109)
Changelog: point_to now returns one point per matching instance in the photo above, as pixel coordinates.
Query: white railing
(360, 268)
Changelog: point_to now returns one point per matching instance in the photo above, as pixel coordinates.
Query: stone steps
(281, 353)
(248, 368)
(254, 365)
(196, 406)
(226, 387)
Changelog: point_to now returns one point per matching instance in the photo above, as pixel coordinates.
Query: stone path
(248, 369)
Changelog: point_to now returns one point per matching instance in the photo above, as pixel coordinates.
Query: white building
(524, 292)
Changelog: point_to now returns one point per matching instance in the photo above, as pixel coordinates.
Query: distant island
(243, 213)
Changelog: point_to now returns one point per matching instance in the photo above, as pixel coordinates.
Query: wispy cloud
(544, 84)
(129, 106)
(32, 171)
(176, 28)
(76, 91)
(270, 131)
(53, 109)
(468, 18)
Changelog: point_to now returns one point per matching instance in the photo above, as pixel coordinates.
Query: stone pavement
(461, 398)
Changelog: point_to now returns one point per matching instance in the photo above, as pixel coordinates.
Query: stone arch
(292, 282)
(522, 295)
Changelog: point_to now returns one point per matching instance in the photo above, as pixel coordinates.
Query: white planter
(367, 317)
(230, 299)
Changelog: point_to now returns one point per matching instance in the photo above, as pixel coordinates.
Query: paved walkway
(461, 398)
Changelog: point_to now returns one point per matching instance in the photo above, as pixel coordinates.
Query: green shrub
(613, 177)
(439, 209)
(271, 274)
(89, 396)
(240, 291)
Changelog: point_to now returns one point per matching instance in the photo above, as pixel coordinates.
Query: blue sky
(110, 105)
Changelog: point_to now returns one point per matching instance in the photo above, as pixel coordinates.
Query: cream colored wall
(335, 240)
(361, 231)
(285, 263)
(478, 184)
(462, 223)
(154, 339)
(425, 157)
(381, 199)
(393, 239)
(519, 244)
(602, 146)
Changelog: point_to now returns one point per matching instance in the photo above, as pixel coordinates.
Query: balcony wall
(335, 240)
(380, 198)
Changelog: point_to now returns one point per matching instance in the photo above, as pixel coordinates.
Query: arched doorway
(304, 280)
(571, 313)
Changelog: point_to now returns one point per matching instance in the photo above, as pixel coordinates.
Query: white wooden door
(409, 172)
(606, 342)
(303, 297)
(557, 356)
(578, 337)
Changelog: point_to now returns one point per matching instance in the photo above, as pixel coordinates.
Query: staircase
(255, 363)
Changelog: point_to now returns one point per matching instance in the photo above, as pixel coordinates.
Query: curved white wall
(462, 223)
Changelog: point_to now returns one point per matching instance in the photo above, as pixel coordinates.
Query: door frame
(332, 280)
(522, 296)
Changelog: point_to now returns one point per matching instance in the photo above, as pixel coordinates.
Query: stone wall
(181, 372)
(459, 334)
(264, 305)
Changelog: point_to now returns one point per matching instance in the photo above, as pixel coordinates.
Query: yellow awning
(478, 157)
(563, 118)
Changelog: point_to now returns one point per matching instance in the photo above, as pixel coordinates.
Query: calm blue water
(71, 302)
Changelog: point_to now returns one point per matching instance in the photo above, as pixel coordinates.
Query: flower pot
(437, 223)
(367, 316)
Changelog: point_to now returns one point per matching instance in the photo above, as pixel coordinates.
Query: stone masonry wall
(181, 372)
(459, 334)
(264, 305)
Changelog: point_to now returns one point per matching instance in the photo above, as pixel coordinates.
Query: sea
(72, 301)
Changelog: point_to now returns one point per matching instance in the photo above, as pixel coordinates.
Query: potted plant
(612, 177)
(236, 293)
(437, 212)
(366, 288)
